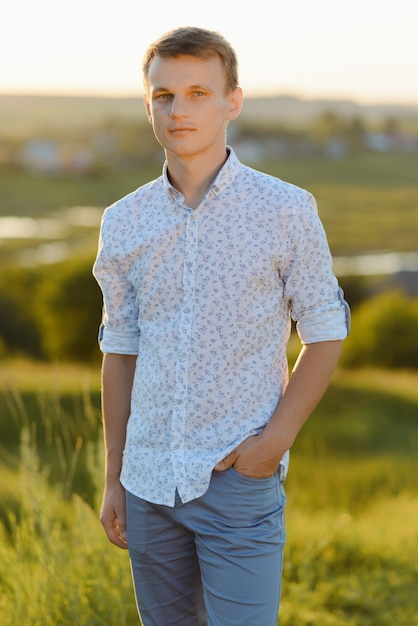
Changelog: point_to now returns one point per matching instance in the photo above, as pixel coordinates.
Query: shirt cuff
(114, 342)
(330, 323)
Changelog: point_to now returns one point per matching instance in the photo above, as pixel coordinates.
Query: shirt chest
(215, 250)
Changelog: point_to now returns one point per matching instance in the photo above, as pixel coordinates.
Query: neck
(193, 176)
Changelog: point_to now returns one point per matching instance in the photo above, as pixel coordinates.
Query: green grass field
(351, 513)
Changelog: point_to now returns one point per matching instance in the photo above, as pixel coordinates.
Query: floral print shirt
(205, 298)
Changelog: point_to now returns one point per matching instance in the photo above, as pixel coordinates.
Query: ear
(235, 103)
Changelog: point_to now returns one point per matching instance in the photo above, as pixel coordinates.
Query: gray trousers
(214, 561)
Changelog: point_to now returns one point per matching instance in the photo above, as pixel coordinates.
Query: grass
(26, 376)
(57, 568)
(352, 506)
(27, 195)
(367, 169)
(352, 569)
(351, 514)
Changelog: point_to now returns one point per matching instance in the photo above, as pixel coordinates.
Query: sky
(363, 50)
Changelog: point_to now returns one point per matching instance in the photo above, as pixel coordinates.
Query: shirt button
(179, 401)
(183, 355)
(186, 309)
(189, 264)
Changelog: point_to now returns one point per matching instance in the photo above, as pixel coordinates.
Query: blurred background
(331, 104)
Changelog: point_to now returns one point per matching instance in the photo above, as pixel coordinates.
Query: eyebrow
(201, 87)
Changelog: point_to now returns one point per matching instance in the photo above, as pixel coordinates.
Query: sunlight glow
(364, 50)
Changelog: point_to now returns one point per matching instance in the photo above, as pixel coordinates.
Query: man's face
(187, 104)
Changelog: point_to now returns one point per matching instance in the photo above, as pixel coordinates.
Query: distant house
(391, 141)
(44, 156)
(41, 156)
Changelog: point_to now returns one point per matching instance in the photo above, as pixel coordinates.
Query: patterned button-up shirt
(204, 298)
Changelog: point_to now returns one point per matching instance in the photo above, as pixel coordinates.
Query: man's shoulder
(269, 183)
(134, 199)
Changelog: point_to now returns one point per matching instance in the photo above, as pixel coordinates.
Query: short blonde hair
(197, 42)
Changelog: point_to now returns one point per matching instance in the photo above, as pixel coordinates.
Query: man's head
(196, 42)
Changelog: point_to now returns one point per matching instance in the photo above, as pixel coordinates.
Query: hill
(301, 111)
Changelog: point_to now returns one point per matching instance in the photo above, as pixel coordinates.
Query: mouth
(180, 130)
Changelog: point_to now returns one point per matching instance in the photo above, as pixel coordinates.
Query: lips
(180, 129)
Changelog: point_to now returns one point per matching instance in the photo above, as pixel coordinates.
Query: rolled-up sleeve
(316, 301)
(119, 331)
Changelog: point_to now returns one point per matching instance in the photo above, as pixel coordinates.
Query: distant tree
(68, 312)
(326, 126)
(391, 126)
(384, 333)
(19, 329)
(355, 290)
(354, 133)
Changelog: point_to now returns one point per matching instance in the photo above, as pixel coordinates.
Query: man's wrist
(275, 442)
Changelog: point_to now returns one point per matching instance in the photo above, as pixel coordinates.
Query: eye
(162, 96)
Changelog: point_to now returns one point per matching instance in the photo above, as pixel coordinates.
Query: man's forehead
(184, 68)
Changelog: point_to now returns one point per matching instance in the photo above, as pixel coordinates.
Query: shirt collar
(224, 178)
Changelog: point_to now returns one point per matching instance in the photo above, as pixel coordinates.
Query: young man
(201, 271)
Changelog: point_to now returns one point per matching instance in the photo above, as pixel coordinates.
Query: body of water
(54, 233)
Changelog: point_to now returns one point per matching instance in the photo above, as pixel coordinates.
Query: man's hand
(117, 378)
(113, 515)
(259, 456)
(252, 458)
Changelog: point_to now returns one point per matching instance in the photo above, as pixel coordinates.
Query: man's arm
(259, 456)
(117, 379)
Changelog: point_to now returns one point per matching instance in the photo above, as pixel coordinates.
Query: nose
(178, 107)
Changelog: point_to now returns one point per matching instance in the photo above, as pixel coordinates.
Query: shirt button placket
(179, 423)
